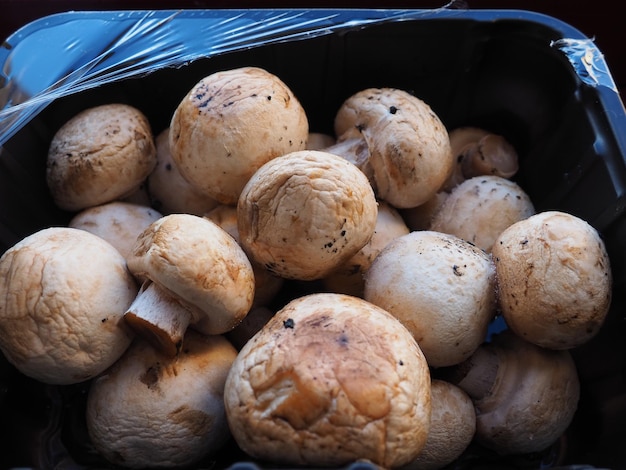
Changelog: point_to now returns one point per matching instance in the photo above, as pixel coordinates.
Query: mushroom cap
(152, 411)
(480, 208)
(305, 213)
(554, 279)
(118, 222)
(169, 192)
(229, 124)
(452, 427)
(533, 399)
(101, 154)
(63, 294)
(200, 264)
(441, 287)
(315, 387)
(410, 154)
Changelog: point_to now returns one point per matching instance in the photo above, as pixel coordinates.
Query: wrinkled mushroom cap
(480, 208)
(102, 154)
(229, 124)
(409, 147)
(200, 264)
(330, 379)
(153, 411)
(554, 279)
(63, 293)
(442, 288)
(118, 222)
(303, 214)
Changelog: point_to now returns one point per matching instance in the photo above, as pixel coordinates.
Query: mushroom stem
(477, 374)
(159, 318)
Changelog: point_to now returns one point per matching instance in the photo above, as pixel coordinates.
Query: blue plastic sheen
(71, 52)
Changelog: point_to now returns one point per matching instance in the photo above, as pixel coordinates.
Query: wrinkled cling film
(66, 55)
(587, 60)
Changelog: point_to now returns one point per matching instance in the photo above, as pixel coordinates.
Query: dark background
(596, 19)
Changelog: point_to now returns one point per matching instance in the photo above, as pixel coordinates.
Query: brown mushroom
(102, 154)
(229, 124)
(554, 279)
(63, 294)
(153, 411)
(305, 213)
(525, 396)
(441, 287)
(169, 192)
(409, 147)
(452, 427)
(328, 380)
(193, 273)
(118, 222)
(480, 208)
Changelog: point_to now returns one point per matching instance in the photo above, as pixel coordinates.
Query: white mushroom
(118, 222)
(195, 274)
(409, 147)
(349, 277)
(452, 427)
(305, 213)
(63, 294)
(328, 380)
(441, 287)
(525, 396)
(554, 279)
(169, 192)
(229, 124)
(153, 411)
(102, 154)
(480, 208)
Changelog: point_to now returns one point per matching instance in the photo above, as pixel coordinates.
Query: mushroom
(249, 326)
(315, 387)
(118, 222)
(348, 278)
(452, 427)
(441, 287)
(229, 124)
(102, 154)
(305, 213)
(525, 396)
(194, 273)
(480, 208)
(169, 191)
(554, 279)
(267, 285)
(479, 152)
(421, 217)
(153, 411)
(409, 147)
(63, 293)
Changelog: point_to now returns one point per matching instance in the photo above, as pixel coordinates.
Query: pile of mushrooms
(317, 299)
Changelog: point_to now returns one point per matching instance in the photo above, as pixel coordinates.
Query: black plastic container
(530, 77)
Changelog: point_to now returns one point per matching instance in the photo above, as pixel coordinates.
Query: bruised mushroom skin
(441, 287)
(102, 154)
(554, 279)
(229, 124)
(409, 147)
(153, 411)
(63, 293)
(315, 386)
(303, 214)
